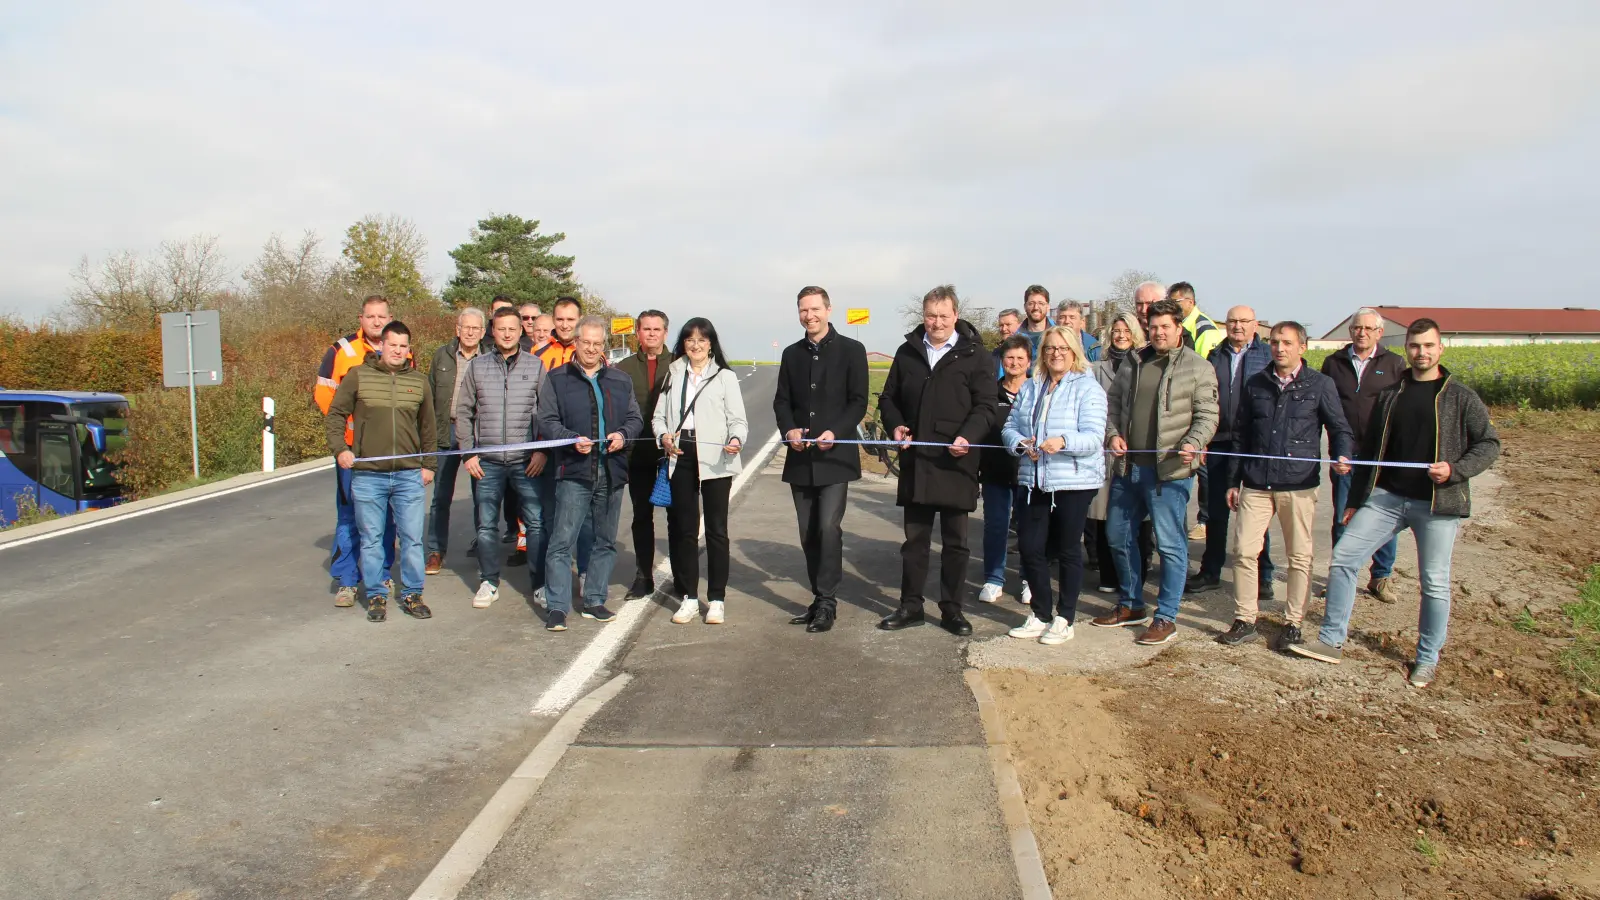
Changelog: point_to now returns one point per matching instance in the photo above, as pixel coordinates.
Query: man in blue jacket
(590, 401)
(1235, 360)
(1283, 413)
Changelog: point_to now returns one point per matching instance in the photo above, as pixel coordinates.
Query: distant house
(1482, 327)
(876, 357)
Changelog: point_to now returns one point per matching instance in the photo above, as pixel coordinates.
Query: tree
(1119, 297)
(127, 292)
(982, 318)
(507, 255)
(384, 256)
(294, 285)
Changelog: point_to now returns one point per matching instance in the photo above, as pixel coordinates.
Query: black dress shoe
(820, 622)
(904, 617)
(643, 586)
(1202, 581)
(956, 624)
(805, 617)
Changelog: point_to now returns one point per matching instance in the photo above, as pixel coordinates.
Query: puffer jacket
(1077, 414)
(1230, 408)
(390, 413)
(1288, 421)
(1187, 409)
(498, 403)
(718, 416)
(1466, 440)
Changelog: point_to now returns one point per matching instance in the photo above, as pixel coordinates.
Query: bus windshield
(99, 473)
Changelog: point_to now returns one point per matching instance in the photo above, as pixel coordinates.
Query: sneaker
(1292, 635)
(538, 597)
(345, 597)
(1383, 589)
(1108, 589)
(1318, 650)
(377, 609)
(1031, 627)
(412, 605)
(1423, 674)
(714, 612)
(990, 593)
(1060, 632)
(1121, 616)
(434, 565)
(688, 608)
(1026, 597)
(1265, 592)
(486, 596)
(1240, 632)
(555, 621)
(1159, 632)
(643, 586)
(390, 591)
(599, 613)
(1201, 581)
(1198, 532)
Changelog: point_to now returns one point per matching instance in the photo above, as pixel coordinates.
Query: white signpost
(191, 356)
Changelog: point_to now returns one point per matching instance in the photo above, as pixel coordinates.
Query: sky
(712, 158)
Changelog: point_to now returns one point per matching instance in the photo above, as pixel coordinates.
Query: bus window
(13, 428)
(99, 473)
(56, 472)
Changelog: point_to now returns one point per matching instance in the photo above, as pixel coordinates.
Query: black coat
(818, 391)
(1288, 422)
(955, 399)
(1359, 396)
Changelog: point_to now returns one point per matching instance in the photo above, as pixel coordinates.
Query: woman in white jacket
(1057, 427)
(699, 421)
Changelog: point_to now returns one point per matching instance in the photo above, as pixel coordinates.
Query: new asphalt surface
(184, 713)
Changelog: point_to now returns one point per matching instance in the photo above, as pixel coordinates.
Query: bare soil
(1240, 772)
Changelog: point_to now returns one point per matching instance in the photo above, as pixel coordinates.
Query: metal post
(269, 439)
(194, 428)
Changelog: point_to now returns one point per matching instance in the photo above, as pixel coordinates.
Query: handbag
(661, 492)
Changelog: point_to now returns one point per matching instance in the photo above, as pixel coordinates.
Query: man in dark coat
(941, 390)
(648, 369)
(822, 395)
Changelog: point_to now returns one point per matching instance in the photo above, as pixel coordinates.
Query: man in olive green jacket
(1161, 412)
(392, 407)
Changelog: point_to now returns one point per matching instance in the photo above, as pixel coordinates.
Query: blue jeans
(509, 482)
(1219, 470)
(547, 500)
(996, 528)
(1383, 517)
(580, 505)
(1383, 559)
(346, 564)
(390, 497)
(444, 490)
(1134, 496)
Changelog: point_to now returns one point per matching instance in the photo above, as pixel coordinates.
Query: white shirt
(691, 387)
(1236, 361)
(1361, 364)
(937, 353)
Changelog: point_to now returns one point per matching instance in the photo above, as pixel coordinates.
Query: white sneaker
(1032, 628)
(487, 594)
(989, 593)
(714, 612)
(538, 598)
(687, 610)
(1026, 597)
(1060, 632)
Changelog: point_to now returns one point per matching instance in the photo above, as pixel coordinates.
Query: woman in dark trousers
(700, 423)
(1057, 427)
(1120, 341)
(997, 469)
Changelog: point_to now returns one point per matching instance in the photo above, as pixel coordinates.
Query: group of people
(1076, 441)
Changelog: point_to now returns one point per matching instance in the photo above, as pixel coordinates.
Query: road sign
(622, 325)
(774, 343)
(857, 316)
(191, 356)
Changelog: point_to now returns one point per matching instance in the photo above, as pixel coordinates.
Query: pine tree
(507, 255)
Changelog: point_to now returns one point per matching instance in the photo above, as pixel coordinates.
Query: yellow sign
(857, 316)
(622, 325)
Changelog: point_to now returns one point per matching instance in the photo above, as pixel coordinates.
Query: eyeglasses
(1240, 321)
(1366, 327)
(1057, 349)
(529, 318)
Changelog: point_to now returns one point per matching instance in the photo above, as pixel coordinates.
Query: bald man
(1240, 355)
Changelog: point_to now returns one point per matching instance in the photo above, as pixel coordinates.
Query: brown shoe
(1122, 615)
(1159, 632)
(435, 563)
(1383, 589)
(345, 597)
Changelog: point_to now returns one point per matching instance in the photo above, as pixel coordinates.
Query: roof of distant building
(1463, 320)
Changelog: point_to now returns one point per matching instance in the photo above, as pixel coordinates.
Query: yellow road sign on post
(622, 325)
(857, 316)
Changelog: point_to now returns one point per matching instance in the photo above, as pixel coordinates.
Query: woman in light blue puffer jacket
(1058, 428)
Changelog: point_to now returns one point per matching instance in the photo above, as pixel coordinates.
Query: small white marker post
(269, 439)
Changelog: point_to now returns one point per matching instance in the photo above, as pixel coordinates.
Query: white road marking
(564, 690)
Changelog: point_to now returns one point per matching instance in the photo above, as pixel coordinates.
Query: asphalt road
(184, 713)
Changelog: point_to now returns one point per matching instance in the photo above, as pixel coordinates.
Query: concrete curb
(1013, 811)
(96, 517)
(469, 851)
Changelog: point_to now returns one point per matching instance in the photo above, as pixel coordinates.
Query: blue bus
(53, 444)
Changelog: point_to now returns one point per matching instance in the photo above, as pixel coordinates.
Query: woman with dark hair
(997, 468)
(699, 421)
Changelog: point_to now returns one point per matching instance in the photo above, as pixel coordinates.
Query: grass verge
(1581, 661)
